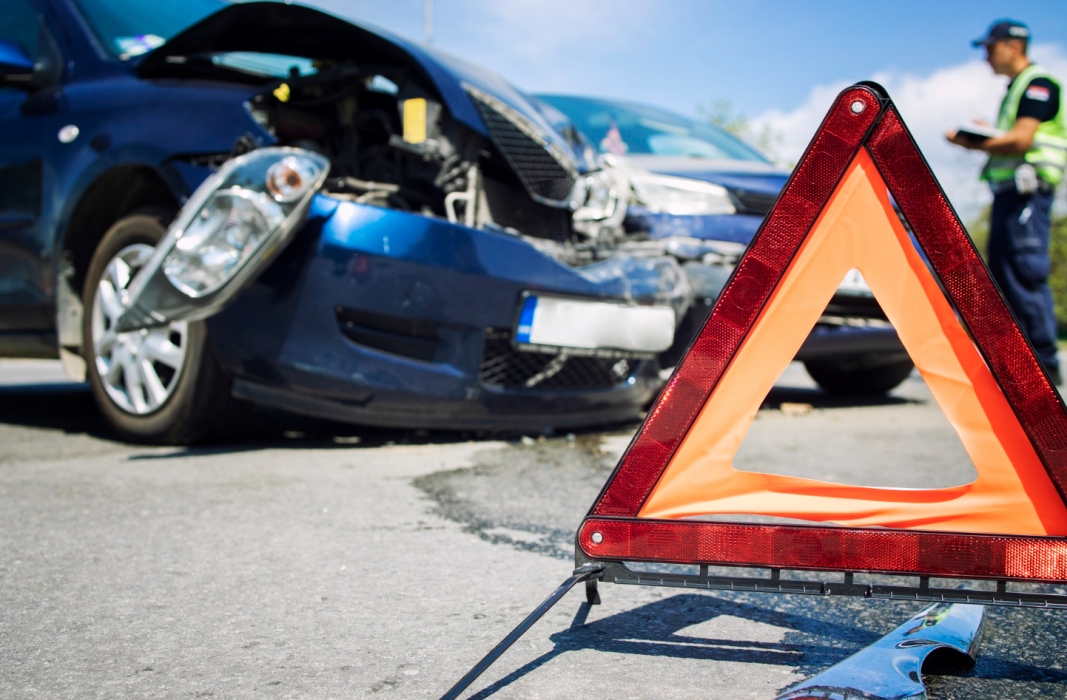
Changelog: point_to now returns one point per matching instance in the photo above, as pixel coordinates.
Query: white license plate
(854, 285)
(555, 324)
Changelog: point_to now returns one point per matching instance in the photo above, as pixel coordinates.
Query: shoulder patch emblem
(1037, 92)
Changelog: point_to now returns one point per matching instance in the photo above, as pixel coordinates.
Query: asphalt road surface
(316, 560)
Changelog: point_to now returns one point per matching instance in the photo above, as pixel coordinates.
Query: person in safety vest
(1026, 162)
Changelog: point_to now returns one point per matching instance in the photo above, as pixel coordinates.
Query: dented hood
(293, 30)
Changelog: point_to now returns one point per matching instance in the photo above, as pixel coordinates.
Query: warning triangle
(836, 214)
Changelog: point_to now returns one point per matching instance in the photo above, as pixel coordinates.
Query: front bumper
(387, 318)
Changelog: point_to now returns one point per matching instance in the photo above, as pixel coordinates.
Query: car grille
(758, 203)
(508, 368)
(510, 207)
(542, 167)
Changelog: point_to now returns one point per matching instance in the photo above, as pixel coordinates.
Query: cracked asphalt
(314, 560)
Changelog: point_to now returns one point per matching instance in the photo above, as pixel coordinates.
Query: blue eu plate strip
(522, 333)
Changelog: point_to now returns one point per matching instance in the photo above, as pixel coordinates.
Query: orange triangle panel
(834, 215)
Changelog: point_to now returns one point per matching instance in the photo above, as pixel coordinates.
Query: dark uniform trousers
(1019, 260)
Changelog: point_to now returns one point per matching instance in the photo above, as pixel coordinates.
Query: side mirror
(16, 68)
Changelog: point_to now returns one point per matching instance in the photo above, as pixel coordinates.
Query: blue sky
(779, 62)
(677, 53)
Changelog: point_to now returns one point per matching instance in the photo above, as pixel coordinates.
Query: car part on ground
(159, 385)
(891, 668)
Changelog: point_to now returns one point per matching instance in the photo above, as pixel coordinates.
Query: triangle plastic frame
(863, 117)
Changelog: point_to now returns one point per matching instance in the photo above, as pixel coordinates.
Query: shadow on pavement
(67, 407)
(820, 399)
(70, 408)
(812, 643)
(653, 630)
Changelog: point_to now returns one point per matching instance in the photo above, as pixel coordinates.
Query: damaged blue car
(205, 205)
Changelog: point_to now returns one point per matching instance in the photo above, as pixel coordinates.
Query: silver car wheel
(140, 369)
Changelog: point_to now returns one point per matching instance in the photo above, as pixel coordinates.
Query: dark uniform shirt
(1041, 100)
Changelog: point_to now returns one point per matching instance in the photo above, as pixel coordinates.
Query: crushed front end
(459, 264)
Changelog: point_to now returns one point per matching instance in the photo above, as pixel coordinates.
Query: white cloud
(930, 105)
(548, 43)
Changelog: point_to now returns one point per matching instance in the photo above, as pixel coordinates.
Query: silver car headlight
(680, 196)
(255, 198)
(228, 230)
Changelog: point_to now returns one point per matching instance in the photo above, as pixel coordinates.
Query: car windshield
(625, 128)
(129, 28)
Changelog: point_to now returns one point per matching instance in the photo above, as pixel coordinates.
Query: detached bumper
(386, 318)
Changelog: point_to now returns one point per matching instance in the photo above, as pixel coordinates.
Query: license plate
(593, 328)
(854, 285)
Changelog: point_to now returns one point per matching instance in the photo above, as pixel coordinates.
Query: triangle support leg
(587, 573)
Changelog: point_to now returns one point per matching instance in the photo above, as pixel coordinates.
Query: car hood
(292, 30)
(747, 176)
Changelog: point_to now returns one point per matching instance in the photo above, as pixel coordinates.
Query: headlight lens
(681, 196)
(253, 198)
(222, 236)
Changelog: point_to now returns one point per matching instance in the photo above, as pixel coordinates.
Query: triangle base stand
(844, 585)
(591, 572)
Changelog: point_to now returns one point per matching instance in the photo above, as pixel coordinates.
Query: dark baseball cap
(1004, 29)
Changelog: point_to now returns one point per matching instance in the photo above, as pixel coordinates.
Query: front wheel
(846, 378)
(158, 385)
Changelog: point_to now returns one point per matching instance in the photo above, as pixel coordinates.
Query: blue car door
(25, 281)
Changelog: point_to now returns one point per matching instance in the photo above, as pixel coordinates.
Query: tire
(845, 378)
(195, 403)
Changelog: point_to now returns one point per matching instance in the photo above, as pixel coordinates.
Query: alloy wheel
(139, 369)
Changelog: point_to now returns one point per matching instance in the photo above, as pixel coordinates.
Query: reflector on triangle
(834, 215)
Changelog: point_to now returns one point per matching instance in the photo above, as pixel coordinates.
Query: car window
(128, 28)
(18, 24)
(617, 127)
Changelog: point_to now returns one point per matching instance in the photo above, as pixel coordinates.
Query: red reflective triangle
(834, 214)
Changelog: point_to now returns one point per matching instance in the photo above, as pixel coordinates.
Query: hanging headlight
(224, 234)
(680, 196)
(228, 230)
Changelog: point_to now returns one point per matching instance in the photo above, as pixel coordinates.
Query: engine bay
(392, 143)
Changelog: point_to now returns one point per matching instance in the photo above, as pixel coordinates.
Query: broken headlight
(254, 199)
(230, 228)
(680, 196)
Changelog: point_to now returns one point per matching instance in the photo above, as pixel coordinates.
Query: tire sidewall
(165, 423)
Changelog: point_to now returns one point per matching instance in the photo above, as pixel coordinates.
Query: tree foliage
(765, 139)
